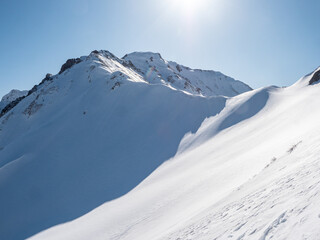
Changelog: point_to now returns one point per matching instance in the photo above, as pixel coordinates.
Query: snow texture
(195, 81)
(122, 155)
(250, 172)
(89, 135)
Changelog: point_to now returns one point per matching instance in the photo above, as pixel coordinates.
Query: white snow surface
(250, 172)
(11, 96)
(195, 81)
(88, 136)
(103, 152)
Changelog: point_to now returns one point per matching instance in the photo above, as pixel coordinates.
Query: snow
(195, 81)
(11, 96)
(151, 159)
(88, 136)
(255, 179)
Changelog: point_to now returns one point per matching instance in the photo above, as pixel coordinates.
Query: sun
(190, 18)
(189, 8)
(189, 14)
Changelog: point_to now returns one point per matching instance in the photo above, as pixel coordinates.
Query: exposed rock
(69, 63)
(315, 77)
(117, 84)
(15, 102)
(130, 65)
(170, 79)
(35, 87)
(32, 108)
(47, 78)
(11, 105)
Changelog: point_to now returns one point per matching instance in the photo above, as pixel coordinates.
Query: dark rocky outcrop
(315, 77)
(117, 84)
(35, 88)
(178, 67)
(130, 65)
(48, 77)
(69, 63)
(10, 106)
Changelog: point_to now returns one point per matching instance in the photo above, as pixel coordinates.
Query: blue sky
(265, 42)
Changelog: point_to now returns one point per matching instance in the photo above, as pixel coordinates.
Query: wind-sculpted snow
(237, 110)
(88, 136)
(281, 202)
(256, 179)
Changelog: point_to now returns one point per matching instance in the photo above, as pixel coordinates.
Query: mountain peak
(104, 53)
(153, 69)
(13, 94)
(157, 70)
(146, 67)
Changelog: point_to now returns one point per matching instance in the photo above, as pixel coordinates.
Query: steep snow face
(250, 172)
(88, 136)
(11, 96)
(208, 83)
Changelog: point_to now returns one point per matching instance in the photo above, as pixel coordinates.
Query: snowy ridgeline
(134, 141)
(154, 69)
(195, 81)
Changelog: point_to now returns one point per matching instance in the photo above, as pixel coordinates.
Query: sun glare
(189, 16)
(189, 8)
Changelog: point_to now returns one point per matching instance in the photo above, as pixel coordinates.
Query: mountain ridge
(183, 83)
(89, 135)
(130, 149)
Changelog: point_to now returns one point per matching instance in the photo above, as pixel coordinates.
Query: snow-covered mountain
(249, 172)
(94, 131)
(195, 81)
(11, 96)
(122, 152)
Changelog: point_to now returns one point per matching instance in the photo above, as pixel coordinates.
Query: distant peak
(13, 94)
(104, 53)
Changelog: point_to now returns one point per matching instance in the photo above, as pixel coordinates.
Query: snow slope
(89, 135)
(250, 172)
